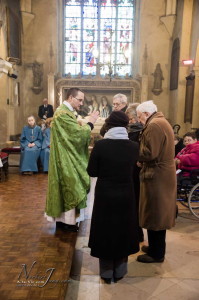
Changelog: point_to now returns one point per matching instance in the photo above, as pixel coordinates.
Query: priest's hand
(93, 117)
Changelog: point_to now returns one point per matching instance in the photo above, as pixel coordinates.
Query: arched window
(99, 37)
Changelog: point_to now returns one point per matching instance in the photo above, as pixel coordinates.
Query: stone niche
(99, 87)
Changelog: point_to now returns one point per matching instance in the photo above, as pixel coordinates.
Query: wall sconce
(187, 62)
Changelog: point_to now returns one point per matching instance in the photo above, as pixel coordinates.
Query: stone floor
(175, 279)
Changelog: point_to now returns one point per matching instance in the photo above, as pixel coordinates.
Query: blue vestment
(29, 156)
(45, 149)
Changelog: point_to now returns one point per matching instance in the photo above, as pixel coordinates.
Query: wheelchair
(188, 191)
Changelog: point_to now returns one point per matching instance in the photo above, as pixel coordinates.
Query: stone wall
(42, 43)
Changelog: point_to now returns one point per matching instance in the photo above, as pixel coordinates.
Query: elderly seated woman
(45, 148)
(31, 141)
(188, 158)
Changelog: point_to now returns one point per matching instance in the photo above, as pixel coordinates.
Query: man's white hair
(122, 98)
(147, 106)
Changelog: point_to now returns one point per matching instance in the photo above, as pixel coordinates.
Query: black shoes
(117, 279)
(148, 259)
(66, 227)
(107, 280)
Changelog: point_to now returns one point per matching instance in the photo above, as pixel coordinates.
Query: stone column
(170, 7)
(51, 89)
(184, 70)
(195, 114)
(145, 77)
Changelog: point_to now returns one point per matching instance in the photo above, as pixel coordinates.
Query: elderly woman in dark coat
(114, 225)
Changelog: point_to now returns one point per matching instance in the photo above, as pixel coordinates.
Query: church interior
(147, 50)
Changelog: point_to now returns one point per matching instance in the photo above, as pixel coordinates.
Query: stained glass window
(99, 37)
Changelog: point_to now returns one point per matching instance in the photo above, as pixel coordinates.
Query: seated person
(31, 140)
(46, 110)
(188, 157)
(178, 142)
(42, 124)
(45, 148)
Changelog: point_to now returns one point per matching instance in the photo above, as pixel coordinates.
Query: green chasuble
(68, 181)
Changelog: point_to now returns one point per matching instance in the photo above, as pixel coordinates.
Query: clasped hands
(30, 145)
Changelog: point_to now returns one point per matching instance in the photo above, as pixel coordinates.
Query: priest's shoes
(66, 227)
(148, 259)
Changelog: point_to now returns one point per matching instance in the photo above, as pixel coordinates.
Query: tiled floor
(26, 237)
(175, 279)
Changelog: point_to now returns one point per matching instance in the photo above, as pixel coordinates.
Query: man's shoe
(117, 279)
(107, 280)
(66, 227)
(148, 259)
(145, 249)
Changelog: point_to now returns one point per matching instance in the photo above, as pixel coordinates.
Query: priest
(68, 181)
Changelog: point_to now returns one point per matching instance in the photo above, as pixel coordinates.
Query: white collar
(68, 105)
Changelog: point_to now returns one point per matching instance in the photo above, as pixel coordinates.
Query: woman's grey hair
(147, 106)
(122, 98)
(131, 110)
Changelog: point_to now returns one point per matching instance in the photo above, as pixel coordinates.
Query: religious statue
(37, 70)
(158, 77)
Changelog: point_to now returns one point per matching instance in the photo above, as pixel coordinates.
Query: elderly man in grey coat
(157, 207)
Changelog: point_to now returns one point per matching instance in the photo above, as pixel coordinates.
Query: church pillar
(195, 118)
(51, 89)
(170, 7)
(184, 70)
(145, 77)
(26, 13)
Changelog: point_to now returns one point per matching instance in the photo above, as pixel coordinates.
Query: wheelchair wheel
(193, 200)
(182, 196)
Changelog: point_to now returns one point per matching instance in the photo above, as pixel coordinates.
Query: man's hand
(93, 117)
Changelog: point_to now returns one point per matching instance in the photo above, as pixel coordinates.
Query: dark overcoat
(158, 175)
(114, 225)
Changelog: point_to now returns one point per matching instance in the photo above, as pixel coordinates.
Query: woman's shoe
(107, 280)
(117, 279)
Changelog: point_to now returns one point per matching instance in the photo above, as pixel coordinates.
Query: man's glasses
(80, 100)
(116, 104)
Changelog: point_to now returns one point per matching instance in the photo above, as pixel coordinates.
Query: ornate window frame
(60, 44)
